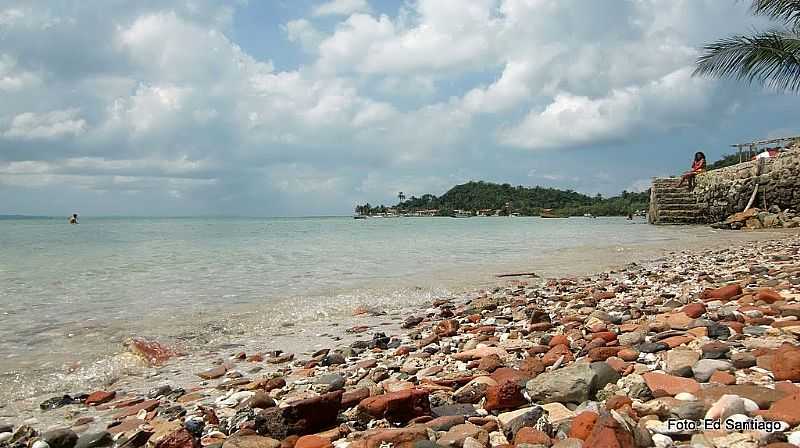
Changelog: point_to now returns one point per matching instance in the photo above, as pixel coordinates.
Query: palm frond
(785, 10)
(771, 58)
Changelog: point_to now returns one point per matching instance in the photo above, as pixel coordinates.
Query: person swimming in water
(73, 219)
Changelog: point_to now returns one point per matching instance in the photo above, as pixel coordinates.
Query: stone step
(672, 197)
(679, 221)
(675, 200)
(679, 206)
(666, 190)
(680, 213)
(670, 181)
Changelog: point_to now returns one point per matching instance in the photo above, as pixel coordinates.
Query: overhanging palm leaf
(771, 58)
(785, 10)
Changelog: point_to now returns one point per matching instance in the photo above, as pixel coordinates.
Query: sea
(71, 295)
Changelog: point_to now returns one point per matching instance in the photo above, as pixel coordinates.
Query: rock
(506, 395)
(94, 440)
(333, 359)
(763, 396)
(671, 385)
(399, 406)
(694, 310)
(607, 433)
(183, 439)
(60, 438)
(479, 353)
(787, 409)
(582, 425)
(259, 400)
(447, 328)
(457, 434)
(628, 354)
(569, 443)
(445, 423)
(473, 391)
(726, 406)
(743, 360)
(557, 413)
(768, 295)
(680, 359)
(786, 364)
(533, 417)
(720, 377)
(652, 347)
(152, 352)
(250, 441)
(490, 363)
(724, 293)
(354, 397)
(531, 436)
(99, 397)
(715, 350)
(449, 410)
(704, 368)
(575, 383)
(412, 321)
(301, 417)
(213, 373)
(56, 402)
(688, 410)
(415, 436)
(313, 441)
(332, 382)
(632, 338)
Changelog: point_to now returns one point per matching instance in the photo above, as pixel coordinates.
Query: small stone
(582, 425)
(671, 385)
(60, 438)
(99, 397)
(313, 441)
(704, 368)
(332, 382)
(214, 373)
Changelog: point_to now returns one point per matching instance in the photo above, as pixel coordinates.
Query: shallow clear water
(69, 295)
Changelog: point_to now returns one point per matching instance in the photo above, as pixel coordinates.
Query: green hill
(527, 201)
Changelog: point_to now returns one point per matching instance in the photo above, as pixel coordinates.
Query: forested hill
(505, 198)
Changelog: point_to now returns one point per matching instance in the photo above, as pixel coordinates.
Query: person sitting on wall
(698, 166)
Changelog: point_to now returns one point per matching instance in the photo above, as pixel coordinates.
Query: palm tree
(770, 58)
(401, 196)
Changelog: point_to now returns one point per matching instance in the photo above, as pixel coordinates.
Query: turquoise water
(71, 294)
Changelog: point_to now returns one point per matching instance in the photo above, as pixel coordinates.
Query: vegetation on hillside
(504, 199)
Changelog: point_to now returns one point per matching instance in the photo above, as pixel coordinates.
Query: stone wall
(725, 191)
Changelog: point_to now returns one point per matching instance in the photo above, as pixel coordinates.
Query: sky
(309, 107)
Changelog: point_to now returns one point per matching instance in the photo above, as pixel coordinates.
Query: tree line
(504, 199)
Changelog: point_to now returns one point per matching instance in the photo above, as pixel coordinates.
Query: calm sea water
(69, 295)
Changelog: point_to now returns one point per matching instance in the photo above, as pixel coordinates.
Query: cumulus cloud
(47, 126)
(174, 97)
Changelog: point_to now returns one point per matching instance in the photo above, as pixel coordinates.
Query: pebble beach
(615, 359)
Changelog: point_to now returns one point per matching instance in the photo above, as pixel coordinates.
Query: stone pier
(722, 192)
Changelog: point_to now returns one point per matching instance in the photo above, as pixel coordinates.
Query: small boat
(359, 217)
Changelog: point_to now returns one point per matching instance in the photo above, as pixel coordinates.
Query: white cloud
(573, 120)
(341, 7)
(303, 32)
(434, 94)
(47, 126)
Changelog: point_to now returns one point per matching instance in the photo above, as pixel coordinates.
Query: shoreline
(241, 323)
(378, 323)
